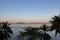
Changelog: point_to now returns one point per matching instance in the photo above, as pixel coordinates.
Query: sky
(28, 10)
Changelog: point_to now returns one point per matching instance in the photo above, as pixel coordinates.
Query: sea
(16, 28)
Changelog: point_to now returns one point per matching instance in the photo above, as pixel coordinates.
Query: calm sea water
(19, 27)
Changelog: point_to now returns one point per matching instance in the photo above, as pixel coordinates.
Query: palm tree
(55, 24)
(45, 35)
(31, 32)
(6, 30)
(1, 33)
(35, 33)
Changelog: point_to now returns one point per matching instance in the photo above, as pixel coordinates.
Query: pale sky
(28, 10)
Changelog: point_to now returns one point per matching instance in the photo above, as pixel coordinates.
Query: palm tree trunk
(6, 38)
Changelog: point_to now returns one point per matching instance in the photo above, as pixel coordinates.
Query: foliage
(55, 22)
(34, 33)
(5, 30)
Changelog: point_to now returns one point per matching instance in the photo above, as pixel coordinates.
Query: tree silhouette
(31, 32)
(1, 33)
(34, 33)
(45, 35)
(5, 30)
(55, 24)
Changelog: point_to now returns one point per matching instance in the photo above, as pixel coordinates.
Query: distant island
(30, 23)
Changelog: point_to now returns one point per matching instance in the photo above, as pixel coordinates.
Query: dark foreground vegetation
(32, 33)
(35, 33)
(5, 31)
